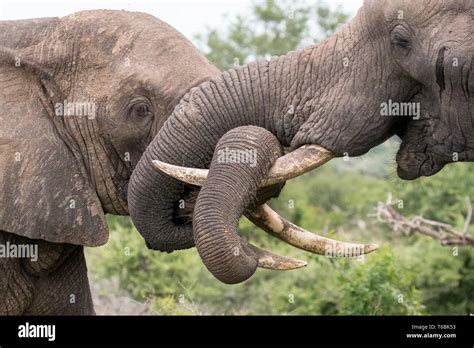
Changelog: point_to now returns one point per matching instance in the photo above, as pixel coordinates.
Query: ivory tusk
(293, 164)
(272, 261)
(271, 222)
(192, 176)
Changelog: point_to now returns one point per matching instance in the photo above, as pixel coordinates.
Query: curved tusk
(296, 163)
(269, 260)
(192, 176)
(269, 220)
(293, 164)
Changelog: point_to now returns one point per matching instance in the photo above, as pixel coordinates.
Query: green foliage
(178, 283)
(445, 277)
(441, 197)
(329, 21)
(273, 28)
(413, 275)
(379, 286)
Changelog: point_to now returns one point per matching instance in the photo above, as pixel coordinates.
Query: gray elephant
(339, 98)
(66, 166)
(80, 99)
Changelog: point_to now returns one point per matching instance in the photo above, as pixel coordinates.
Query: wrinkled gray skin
(392, 50)
(59, 175)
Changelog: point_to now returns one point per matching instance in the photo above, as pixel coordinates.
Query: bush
(379, 286)
(407, 275)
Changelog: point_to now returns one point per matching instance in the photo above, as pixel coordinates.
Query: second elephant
(80, 99)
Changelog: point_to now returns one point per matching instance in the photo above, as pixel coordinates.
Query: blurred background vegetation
(407, 275)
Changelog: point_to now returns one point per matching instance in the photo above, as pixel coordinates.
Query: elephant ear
(45, 192)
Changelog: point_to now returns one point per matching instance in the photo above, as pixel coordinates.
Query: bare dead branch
(467, 222)
(445, 233)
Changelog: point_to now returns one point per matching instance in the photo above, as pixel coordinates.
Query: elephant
(81, 97)
(221, 152)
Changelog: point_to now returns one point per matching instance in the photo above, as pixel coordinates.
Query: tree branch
(445, 233)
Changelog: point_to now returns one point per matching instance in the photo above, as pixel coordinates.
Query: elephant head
(435, 49)
(321, 101)
(81, 97)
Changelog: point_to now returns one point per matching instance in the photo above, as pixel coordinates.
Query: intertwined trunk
(260, 94)
(241, 161)
(294, 98)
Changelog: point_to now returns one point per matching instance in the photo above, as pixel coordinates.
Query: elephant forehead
(422, 12)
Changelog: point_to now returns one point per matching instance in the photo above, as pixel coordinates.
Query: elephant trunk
(285, 96)
(241, 160)
(154, 200)
(160, 206)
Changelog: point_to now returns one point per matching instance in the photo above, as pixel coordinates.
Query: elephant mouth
(411, 166)
(289, 166)
(416, 156)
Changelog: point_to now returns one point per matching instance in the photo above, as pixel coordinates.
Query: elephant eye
(400, 41)
(141, 110)
(400, 38)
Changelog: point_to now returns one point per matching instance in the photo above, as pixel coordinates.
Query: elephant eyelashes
(400, 41)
